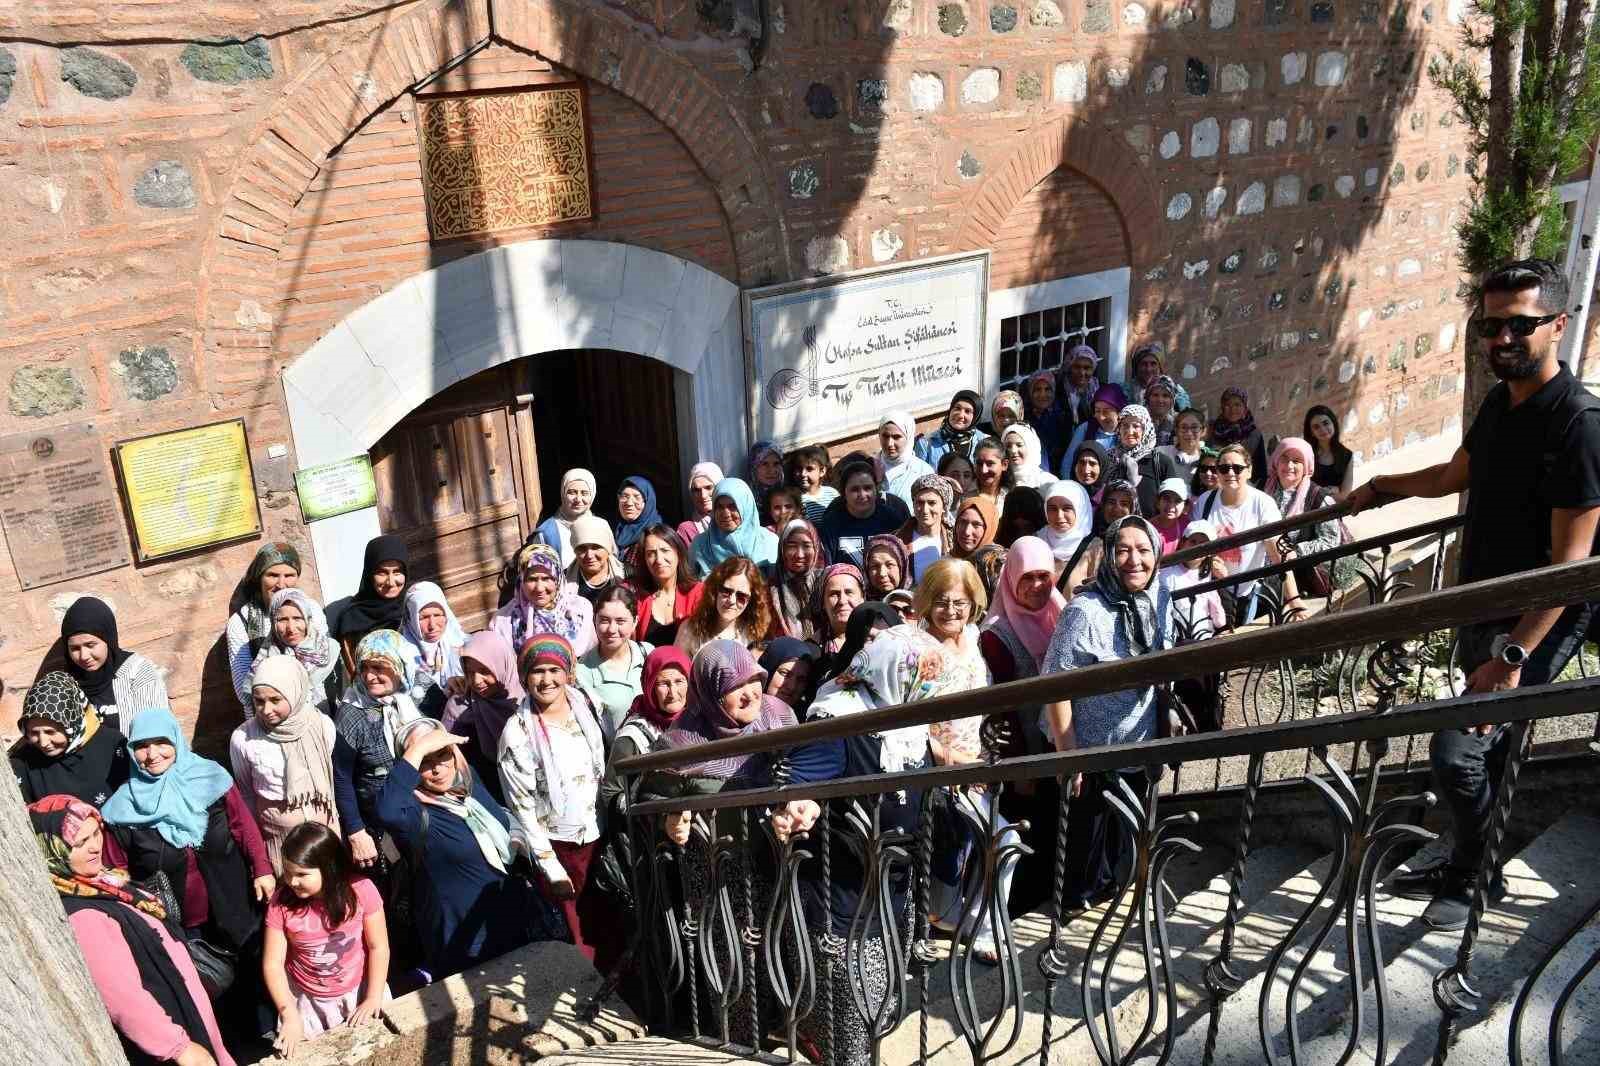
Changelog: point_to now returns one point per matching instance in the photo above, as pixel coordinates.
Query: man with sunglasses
(1531, 465)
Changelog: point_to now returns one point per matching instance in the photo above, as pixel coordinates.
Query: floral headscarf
(1140, 415)
(257, 616)
(57, 821)
(1006, 400)
(946, 490)
(441, 658)
(903, 665)
(316, 649)
(566, 617)
(892, 546)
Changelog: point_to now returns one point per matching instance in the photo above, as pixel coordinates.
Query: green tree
(1529, 123)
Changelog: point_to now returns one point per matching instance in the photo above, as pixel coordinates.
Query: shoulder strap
(1211, 504)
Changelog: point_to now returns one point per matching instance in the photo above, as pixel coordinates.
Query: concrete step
(648, 1051)
(1544, 895)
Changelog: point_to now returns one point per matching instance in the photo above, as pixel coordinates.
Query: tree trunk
(50, 1011)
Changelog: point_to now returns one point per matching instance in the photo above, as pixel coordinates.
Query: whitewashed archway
(432, 330)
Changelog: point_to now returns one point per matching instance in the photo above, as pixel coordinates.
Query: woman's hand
(264, 886)
(291, 1030)
(1076, 785)
(426, 743)
(794, 817)
(365, 1012)
(362, 848)
(677, 826)
(455, 686)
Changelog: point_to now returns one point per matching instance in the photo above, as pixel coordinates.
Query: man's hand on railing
(1365, 497)
(797, 816)
(1493, 676)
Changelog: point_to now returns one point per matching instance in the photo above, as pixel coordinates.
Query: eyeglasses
(739, 598)
(1208, 471)
(1519, 325)
(944, 603)
(1231, 468)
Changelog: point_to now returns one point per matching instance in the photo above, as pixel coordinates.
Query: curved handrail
(1553, 586)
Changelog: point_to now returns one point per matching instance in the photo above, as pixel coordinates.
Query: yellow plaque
(505, 160)
(188, 489)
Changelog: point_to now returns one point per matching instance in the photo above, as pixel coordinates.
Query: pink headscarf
(1303, 450)
(1033, 628)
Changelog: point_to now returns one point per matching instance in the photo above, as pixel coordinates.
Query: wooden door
(451, 481)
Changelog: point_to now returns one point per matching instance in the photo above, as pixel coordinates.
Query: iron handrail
(1553, 586)
(1355, 547)
(1460, 712)
(1250, 536)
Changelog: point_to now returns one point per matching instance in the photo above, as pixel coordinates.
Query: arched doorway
(531, 303)
(465, 477)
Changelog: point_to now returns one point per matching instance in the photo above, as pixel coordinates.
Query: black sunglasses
(1519, 325)
(1232, 468)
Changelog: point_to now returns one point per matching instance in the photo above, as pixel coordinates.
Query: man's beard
(1514, 362)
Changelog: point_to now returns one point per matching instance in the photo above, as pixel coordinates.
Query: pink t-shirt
(326, 963)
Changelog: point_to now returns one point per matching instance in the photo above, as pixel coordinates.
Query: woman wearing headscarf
(490, 694)
(1017, 629)
(552, 757)
(790, 665)
(1235, 424)
(668, 592)
(841, 589)
(1101, 425)
(888, 566)
(663, 696)
(902, 666)
(763, 470)
(1091, 468)
(1069, 518)
(897, 435)
(1046, 417)
(1024, 455)
(142, 971)
(1149, 366)
(1292, 489)
(596, 564)
(1004, 412)
(379, 602)
(65, 747)
(735, 529)
(795, 577)
(469, 908)
(374, 709)
(734, 607)
(578, 490)
(866, 621)
(977, 522)
(433, 632)
(282, 756)
(1160, 399)
(118, 683)
(544, 603)
(703, 480)
(1022, 516)
(959, 433)
(182, 816)
(300, 629)
(926, 533)
(636, 512)
(1126, 613)
(860, 513)
(1135, 450)
(1077, 384)
(275, 566)
(611, 672)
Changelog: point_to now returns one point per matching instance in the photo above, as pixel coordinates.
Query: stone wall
(184, 217)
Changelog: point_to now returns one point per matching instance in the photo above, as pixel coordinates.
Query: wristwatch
(1513, 655)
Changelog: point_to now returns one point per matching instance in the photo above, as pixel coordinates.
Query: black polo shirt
(1523, 462)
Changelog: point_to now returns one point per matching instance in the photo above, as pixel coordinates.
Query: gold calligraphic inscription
(504, 161)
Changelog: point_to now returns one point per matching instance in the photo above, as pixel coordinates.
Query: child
(1171, 515)
(326, 954)
(1203, 615)
(784, 505)
(810, 468)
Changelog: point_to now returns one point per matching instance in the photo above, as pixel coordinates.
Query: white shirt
(258, 762)
(1258, 509)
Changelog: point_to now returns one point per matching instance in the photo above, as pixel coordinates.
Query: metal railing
(729, 954)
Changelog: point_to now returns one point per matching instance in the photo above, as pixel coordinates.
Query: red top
(683, 605)
(1002, 664)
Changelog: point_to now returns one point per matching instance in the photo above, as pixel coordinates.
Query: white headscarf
(441, 659)
(592, 529)
(1064, 545)
(908, 426)
(1030, 474)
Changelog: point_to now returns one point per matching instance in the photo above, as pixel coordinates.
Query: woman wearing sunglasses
(1236, 506)
(734, 607)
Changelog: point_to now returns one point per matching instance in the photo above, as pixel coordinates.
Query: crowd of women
(404, 799)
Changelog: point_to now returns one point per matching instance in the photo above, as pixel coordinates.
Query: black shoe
(1423, 884)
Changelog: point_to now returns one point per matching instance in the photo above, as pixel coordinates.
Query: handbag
(216, 966)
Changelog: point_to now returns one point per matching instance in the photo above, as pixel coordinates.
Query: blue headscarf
(750, 540)
(628, 533)
(177, 804)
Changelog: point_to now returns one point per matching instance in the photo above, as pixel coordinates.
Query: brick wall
(184, 218)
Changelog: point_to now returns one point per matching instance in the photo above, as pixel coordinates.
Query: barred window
(1040, 340)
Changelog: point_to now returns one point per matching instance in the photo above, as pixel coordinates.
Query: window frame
(1111, 285)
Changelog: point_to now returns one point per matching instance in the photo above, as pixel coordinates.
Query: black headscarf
(95, 762)
(1137, 609)
(961, 439)
(1105, 465)
(786, 650)
(366, 610)
(94, 616)
(1022, 516)
(869, 616)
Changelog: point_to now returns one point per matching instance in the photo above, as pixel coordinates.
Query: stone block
(927, 91)
(1070, 83)
(1002, 18)
(952, 20)
(97, 74)
(1214, 201)
(1233, 78)
(1286, 190)
(1292, 67)
(166, 186)
(1222, 14)
(229, 64)
(1178, 207)
(968, 166)
(1171, 144)
(147, 372)
(519, 1007)
(1331, 67)
(8, 74)
(1046, 14)
(886, 244)
(982, 86)
(1253, 200)
(827, 255)
(42, 391)
(1238, 136)
(1096, 16)
(803, 181)
(820, 101)
(1205, 138)
(1030, 86)
(657, 1050)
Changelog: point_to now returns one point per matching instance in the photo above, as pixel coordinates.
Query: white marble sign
(828, 357)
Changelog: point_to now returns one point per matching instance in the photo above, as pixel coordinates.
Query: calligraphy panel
(505, 160)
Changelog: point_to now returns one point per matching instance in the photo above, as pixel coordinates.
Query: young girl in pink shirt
(327, 947)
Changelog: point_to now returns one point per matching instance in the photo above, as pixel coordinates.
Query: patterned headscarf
(720, 667)
(759, 450)
(1007, 400)
(257, 616)
(1049, 378)
(645, 704)
(893, 546)
(56, 698)
(441, 658)
(387, 647)
(1139, 414)
(1136, 609)
(546, 649)
(946, 490)
(1225, 432)
(57, 821)
(902, 665)
(819, 608)
(566, 617)
(315, 651)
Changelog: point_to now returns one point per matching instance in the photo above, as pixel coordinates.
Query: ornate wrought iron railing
(729, 956)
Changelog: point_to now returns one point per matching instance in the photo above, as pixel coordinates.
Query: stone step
(1201, 902)
(1543, 897)
(649, 1051)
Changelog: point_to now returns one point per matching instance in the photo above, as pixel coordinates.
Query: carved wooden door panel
(450, 481)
